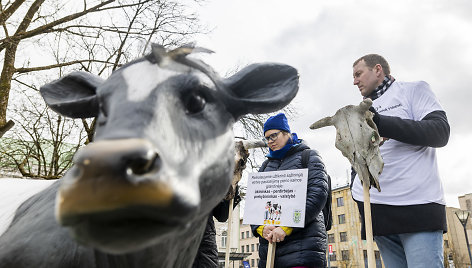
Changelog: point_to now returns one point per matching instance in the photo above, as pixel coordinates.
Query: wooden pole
(270, 255)
(368, 226)
(228, 236)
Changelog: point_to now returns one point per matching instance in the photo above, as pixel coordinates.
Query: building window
(247, 234)
(342, 219)
(242, 235)
(247, 248)
(378, 261)
(252, 262)
(331, 238)
(340, 201)
(242, 249)
(223, 239)
(333, 256)
(345, 255)
(343, 236)
(377, 254)
(257, 246)
(252, 247)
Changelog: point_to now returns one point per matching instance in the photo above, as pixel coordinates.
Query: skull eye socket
(194, 103)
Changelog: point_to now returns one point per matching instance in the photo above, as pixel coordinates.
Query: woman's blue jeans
(412, 250)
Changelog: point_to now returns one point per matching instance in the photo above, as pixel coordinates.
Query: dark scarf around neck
(280, 154)
(382, 88)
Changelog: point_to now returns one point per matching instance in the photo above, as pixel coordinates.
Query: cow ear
(263, 88)
(73, 95)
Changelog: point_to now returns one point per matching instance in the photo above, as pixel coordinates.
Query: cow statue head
(163, 152)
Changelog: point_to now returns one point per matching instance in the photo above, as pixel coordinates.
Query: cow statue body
(162, 158)
(358, 140)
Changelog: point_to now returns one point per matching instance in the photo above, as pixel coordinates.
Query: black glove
(376, 116)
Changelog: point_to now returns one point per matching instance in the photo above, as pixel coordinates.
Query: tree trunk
(5, 85)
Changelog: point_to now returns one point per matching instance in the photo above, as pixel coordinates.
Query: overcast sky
(422, 40)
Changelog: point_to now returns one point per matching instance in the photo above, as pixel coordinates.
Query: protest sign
(276, 198)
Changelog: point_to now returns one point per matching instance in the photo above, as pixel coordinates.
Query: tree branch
(47, 67)
(28, 17)
(5, 14)
(6, 127)
(21, 34)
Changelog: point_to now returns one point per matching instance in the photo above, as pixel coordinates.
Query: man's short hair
(373, 59)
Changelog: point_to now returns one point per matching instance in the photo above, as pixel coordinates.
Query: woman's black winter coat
(305, 246)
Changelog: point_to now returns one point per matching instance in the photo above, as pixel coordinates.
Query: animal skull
(358, 139)
(241, 150)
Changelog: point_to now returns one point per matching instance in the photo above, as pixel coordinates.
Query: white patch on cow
(141, 78)
(175, 151)
(15, 192)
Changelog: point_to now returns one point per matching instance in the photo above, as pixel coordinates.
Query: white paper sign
(276, 198)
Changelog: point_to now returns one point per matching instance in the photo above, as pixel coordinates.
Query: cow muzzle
(112, 175)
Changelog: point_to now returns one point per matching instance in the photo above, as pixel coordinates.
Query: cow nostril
(144, 165)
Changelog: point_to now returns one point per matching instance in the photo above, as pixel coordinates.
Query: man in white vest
(408, 215)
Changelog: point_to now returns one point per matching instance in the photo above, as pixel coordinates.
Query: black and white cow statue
(162, 158)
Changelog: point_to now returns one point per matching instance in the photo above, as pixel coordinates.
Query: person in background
(296, 247)
(408, 215)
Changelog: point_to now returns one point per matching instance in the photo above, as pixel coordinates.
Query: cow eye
(101, 119)
(194, 103)
(102, 116)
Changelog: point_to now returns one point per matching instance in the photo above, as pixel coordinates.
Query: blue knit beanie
(278, 121)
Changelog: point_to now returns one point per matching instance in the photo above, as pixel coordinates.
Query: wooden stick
(228, 236)
(368, 226)
(270, 255)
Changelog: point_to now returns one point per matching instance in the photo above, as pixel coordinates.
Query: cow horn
(327, 121)
(365, 104)
(252, 144)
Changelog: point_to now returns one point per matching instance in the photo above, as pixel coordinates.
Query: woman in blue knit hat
(296, 247)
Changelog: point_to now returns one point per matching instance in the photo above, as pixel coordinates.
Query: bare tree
(93, 35)
(43, 40)
(42, 143)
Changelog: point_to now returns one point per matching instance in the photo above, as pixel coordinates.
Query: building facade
(344, 238)
(249, 244)
(465, 202)
(230, 238)
(456, 250)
